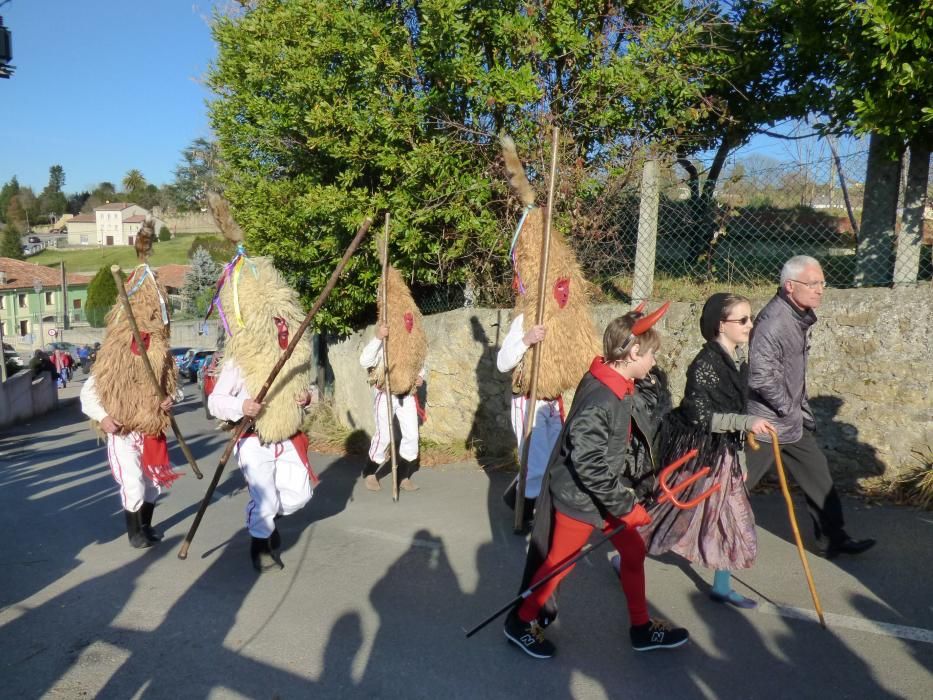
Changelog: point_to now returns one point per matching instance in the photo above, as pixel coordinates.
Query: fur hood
(407, 344)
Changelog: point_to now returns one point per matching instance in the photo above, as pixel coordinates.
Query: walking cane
(669, 494)
(247, 422)
(384, 320)
(530, 412)
(753, 443)
(144, 354)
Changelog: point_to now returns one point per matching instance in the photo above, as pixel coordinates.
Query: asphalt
(375, 595)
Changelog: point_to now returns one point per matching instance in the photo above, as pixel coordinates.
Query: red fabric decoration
(562, 291)
(134, 348)
(155, 462)
(300, 442)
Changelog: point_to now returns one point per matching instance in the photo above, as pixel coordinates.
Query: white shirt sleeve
(513, 347)
(372, 353)
(226, 400)
(90, 401)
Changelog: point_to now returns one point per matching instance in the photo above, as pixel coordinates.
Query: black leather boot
(406, 469)
(134, 531)
(263, 557)
(145, 515)
(369, 476)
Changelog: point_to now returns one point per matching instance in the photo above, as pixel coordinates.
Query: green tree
(101, 295)
(165, 234)
(7, 192)
(133, 181)
(11, 245)
(195, 175)
(52, 200)
(200, 282)
(330, 111)
(220, 249)
(16, 216)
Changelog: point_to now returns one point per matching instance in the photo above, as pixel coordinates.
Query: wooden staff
(536, 348)
(753, 443)
(247, 421)
(384, 320)
(144, 354)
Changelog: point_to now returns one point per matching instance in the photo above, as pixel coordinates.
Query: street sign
(52, 332)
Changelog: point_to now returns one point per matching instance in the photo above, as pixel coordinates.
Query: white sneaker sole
(663, 646)
(523, 647)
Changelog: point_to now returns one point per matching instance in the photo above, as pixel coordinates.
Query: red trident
(670, 492)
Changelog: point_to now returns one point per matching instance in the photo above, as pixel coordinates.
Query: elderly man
(777, 391)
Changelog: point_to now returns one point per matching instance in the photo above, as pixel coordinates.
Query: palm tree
(133, 180)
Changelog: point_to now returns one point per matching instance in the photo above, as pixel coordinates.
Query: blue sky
(103, 86)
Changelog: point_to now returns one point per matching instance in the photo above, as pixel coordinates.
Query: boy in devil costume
(600, 470)
(567, 324)
(259, 312)
(407, 349)
(121, 401)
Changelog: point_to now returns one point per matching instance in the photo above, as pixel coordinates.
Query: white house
(113, 224)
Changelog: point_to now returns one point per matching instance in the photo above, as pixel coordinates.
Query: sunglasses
(743, 320)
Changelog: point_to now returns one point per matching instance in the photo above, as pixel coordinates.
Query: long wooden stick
(387, 389)
(536, 348)
(247, 421)
(144, 354)
(782, 477)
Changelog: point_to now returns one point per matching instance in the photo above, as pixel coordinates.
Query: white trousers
(278, 482)
(547, 427)
(124, 452)
(407, 414)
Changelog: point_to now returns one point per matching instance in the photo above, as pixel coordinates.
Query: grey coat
(777, 368)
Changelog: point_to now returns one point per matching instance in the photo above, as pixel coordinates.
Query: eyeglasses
(816, 284)
(742, 321)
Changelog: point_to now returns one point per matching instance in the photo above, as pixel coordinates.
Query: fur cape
(407, 345)
(121, 379)
(252, 297)
(572, 341)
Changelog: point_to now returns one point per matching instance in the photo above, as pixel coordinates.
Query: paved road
(374, 596)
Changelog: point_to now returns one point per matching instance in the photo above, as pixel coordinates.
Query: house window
(130, 239)
(22, 302)
(50, 298)
(76, 303)
(24, 327)
(83, 239)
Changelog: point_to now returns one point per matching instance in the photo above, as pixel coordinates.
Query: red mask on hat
(134, 348)
(282, 326)
(409, 321)
(562, 291)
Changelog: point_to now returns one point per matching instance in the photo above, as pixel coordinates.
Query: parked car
(13, 361)
(179, 354)
(33, 239)
(190, 368)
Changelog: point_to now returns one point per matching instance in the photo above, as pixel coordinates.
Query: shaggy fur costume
(262, 296)
(123, 385)
(407, 349)
(572, 341)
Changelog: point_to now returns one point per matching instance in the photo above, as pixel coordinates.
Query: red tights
(568, 537)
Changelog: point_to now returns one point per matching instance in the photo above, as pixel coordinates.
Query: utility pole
(64, 300)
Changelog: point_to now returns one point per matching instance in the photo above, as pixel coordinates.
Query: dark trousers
(806, 463)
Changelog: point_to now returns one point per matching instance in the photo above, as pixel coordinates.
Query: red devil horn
(640, 308)
(643, 324)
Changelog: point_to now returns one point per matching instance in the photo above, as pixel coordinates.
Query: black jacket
(604, 460)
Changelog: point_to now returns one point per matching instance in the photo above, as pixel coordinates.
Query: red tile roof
(172, 276)
(138, 219)
(114, 206)
(22, 275)
(82, 219)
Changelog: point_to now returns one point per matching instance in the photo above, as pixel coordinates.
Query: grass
(88, 260)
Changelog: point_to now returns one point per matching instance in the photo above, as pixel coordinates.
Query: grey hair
(795, 266)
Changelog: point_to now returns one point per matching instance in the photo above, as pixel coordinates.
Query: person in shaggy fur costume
(571, 338)
(259, 311)
(122, 402)
(407, 349)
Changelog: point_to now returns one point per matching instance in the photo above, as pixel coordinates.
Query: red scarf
(155, 464)
(300, 442)
(619, 385)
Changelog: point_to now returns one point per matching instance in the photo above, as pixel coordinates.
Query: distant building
(31, 300)
(117, 223)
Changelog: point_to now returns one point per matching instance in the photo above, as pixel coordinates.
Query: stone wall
(22, 397)
(870, 375)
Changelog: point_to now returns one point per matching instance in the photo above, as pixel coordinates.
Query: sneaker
(528, 636)
(657, 634)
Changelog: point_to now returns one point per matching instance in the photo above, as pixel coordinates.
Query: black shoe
(134, 531)
(264, 559)
(848, 546)
(145, 515)
(528, 636)
(657, 634)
